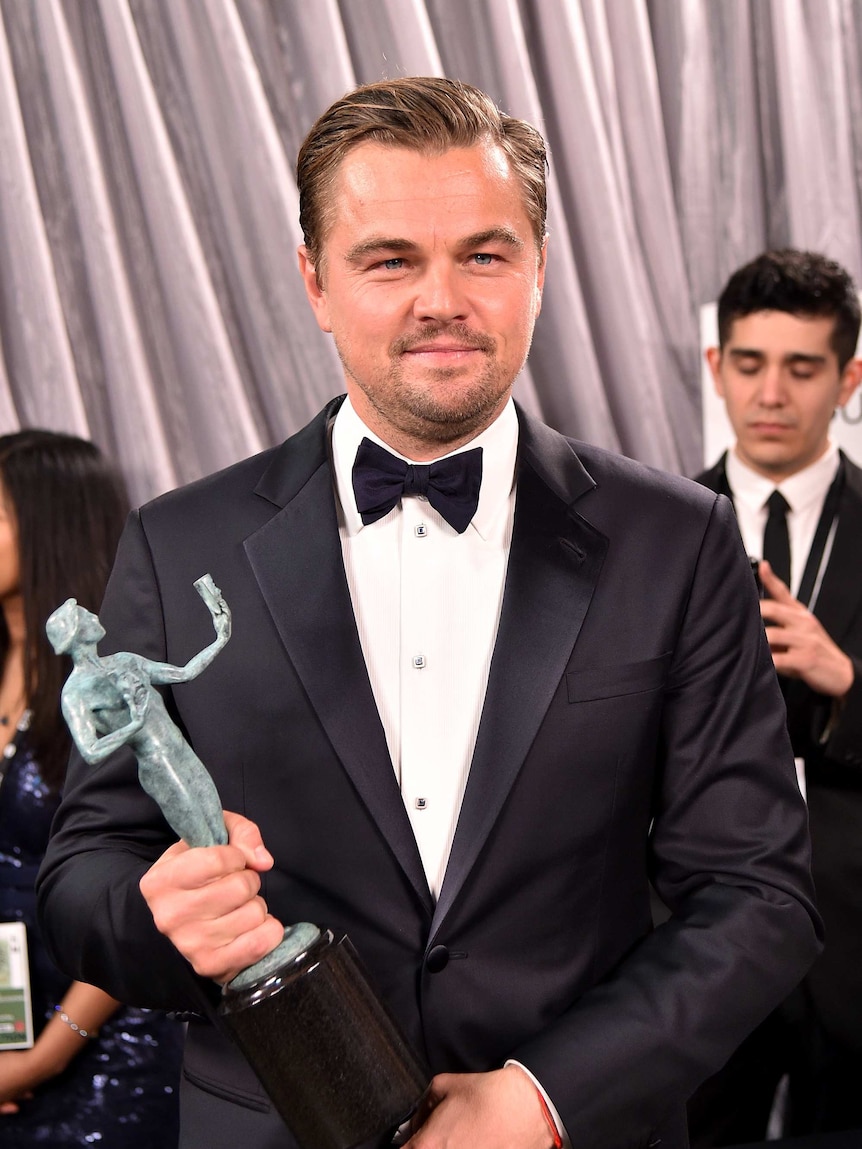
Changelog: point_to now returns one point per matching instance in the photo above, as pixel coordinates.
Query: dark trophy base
(326, 1050)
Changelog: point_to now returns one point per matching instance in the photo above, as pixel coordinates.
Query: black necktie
(776, 540)
(450, 485)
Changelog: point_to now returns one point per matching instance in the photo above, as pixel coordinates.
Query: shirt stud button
(419, 661)
(420, 531)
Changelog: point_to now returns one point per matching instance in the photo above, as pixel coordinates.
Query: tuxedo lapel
(297, 562)
(841, 591)
(554, 563)
(716, 478)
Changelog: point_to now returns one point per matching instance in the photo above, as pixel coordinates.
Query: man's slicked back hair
(425, 114)
(798, 282)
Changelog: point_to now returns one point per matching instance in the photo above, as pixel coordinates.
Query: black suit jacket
(830, 742)
(632, 730)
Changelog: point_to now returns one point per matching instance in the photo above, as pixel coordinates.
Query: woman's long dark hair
(69, 505)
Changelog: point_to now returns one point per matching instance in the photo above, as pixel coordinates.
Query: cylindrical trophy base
(331, 1058)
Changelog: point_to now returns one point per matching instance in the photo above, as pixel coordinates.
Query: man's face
(780, 381)
(432, 282)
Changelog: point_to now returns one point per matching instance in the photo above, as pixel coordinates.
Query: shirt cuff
(552, 1109)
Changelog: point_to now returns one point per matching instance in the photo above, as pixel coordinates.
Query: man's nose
(772, 390)
(440, 295)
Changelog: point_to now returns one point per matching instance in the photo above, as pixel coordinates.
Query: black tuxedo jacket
(632, 730)
(830, 742)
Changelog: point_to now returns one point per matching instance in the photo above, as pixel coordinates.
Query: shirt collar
(499, 444)
(801, 490)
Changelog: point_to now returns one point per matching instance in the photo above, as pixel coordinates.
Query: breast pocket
(616, 680)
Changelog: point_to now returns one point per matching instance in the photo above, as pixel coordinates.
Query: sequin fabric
(121, 1091)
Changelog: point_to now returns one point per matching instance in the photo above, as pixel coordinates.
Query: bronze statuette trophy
(325, 1048)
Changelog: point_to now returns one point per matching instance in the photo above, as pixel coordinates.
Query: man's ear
(851, 377)
(314, 291)
(713, 359)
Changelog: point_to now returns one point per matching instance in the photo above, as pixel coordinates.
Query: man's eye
(394, 264)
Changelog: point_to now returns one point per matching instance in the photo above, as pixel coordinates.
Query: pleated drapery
(149, 296)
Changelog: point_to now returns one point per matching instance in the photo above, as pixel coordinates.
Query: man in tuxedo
(483, 685)
(788, 325)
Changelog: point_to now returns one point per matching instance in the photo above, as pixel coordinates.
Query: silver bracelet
(85, 1033)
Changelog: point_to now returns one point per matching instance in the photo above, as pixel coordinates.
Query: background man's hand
(206, 901)
(497, 1110)
(800, 646)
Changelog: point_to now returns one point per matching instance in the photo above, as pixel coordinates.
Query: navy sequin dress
(121, 1090)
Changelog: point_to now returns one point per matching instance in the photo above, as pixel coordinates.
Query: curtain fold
(816, 127)
(149, 296)
(39, 368)
(132, 415)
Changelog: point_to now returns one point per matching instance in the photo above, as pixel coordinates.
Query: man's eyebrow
(790, 357)
(745, 353)
(504, 235)
(805, 357)
(378, 244)
(375, 245)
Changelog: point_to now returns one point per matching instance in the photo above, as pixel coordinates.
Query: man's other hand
(800, 646)
(497, 1110)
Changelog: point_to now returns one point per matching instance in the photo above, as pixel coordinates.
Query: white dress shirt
(427, 605)
(805, 493)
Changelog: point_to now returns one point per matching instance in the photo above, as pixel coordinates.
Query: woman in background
(97, 1073)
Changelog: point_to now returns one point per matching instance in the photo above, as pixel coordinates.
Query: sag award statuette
(325, 1048)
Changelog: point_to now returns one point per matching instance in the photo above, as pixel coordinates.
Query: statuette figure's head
(71, 623)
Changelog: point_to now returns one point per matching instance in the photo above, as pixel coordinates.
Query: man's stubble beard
(418, 414)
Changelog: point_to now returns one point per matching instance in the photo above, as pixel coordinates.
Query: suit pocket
(618, 679)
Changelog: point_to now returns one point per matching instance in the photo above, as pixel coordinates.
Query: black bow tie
(450, 485)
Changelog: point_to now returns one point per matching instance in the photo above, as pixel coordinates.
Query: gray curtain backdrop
(149, 296)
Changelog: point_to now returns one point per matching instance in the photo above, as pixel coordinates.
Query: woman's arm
(85, 1009)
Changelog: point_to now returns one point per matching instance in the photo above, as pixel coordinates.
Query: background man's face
(780, 381)
(432, 284)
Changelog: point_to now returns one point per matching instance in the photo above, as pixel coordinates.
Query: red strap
(552, 1125)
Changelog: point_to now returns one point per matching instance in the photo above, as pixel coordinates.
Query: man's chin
(773, 462)
(459, 415)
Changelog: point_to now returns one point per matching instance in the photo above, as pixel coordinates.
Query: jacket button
(437, 959)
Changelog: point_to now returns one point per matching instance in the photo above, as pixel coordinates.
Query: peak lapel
(554, 563)
(297, 562)
(841, 592)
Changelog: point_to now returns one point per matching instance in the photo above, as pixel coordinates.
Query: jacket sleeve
(108, 832)
(729, 856)
(842, 738)
(826, 729)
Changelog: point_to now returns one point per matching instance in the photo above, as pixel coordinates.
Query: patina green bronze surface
(111, 701)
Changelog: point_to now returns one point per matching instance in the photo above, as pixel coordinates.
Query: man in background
(472, 702)
(788, 325)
